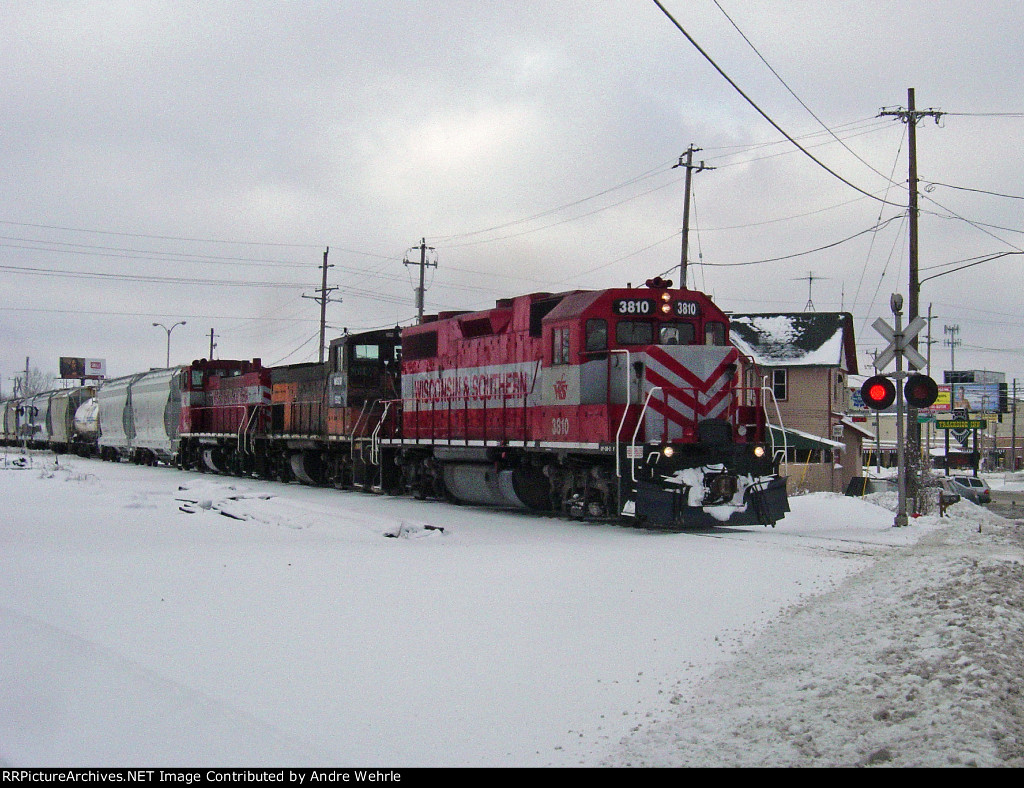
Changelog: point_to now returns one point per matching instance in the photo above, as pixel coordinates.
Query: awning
(801, 441)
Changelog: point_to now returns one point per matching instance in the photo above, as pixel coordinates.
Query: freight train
(625, 403)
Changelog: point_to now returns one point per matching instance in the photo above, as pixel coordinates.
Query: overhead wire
(794, 95)
(976, 191)
(758, 109)
(867, 256)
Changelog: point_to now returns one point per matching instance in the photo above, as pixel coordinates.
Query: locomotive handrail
(451, 406)
(769, 390)
(355, 427)
(248, 423)
(375, 435)
(625, 413)
(639, 423)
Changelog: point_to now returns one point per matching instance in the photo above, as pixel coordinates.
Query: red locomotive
(622, 402)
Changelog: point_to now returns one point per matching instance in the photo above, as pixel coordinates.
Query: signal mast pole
(911, 116)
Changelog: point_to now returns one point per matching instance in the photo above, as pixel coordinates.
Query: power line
(874, 228)
(760, 111)
(977, 191)
(158, 237)
(794, 95)
(59, 273)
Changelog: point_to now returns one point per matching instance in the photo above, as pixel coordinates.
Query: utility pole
(690, 169)
(952, 342)
(213, 345)
(322, 299)
(1013, 434)
(423, 263)
(911, 115)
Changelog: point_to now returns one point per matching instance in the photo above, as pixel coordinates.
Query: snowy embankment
(150, 617)
(913, 662)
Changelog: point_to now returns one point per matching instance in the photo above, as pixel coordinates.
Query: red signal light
(878, 392)
(920, 391)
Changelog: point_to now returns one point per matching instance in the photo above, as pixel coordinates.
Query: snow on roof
(796, 339)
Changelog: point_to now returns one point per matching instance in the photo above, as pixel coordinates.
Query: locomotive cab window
(714, 333)
(366, 351)
(676, 334)
(634, 332)
(560, 346)
(597, 334)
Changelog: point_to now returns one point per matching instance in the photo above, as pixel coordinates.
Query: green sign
(961, 424)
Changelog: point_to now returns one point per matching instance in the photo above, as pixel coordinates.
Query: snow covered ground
(152, 617)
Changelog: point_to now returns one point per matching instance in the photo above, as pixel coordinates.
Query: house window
(780, 384)
(560, 346)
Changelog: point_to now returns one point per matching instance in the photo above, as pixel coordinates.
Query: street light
(169, 330)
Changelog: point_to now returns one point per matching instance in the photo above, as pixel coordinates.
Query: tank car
(87, 427)
(623, 402)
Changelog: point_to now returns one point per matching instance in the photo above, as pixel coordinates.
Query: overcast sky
(168, 161)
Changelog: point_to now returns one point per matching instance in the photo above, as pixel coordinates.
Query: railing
(375, 436)
(766, 392)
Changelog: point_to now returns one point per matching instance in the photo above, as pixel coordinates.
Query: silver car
(973, 488)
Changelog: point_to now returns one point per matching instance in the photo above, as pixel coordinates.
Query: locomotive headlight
(666, 296)
(668, 451)
(759, 451)
(666, 308)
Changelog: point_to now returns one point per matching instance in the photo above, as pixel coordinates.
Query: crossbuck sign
(900, 343)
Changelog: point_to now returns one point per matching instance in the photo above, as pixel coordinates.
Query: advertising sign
(944, 402)
(976, 397)
(75, 368)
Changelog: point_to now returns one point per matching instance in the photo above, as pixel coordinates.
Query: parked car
(973, 488)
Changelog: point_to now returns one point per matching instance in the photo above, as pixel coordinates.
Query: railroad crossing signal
(900, 343)
(878, 392)
(921, 391)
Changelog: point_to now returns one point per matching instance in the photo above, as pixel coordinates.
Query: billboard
(76, 368)
(976, 397)
(944, 402)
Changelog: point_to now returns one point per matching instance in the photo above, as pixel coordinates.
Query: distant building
(807, 358)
